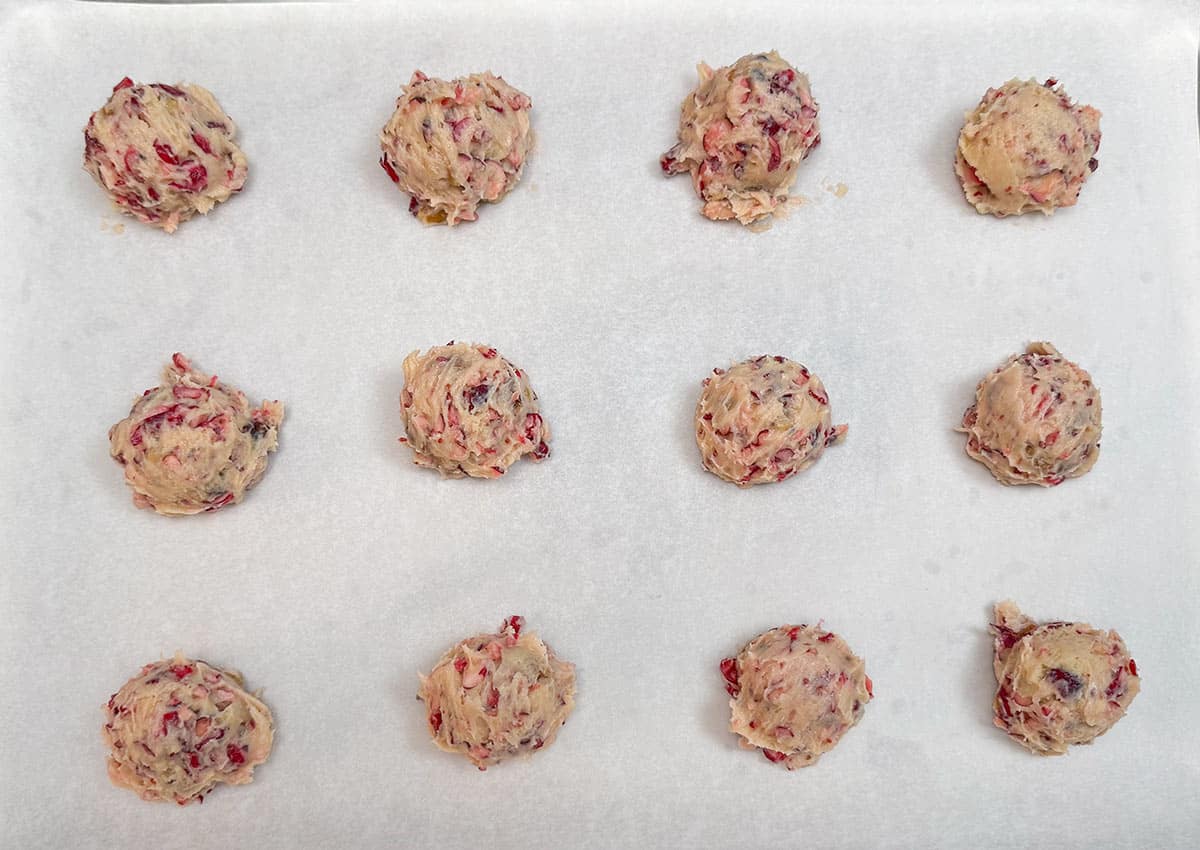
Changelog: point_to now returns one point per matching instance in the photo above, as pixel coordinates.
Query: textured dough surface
(163, 153)
(1058, 683)
(194, 444)
(453, 144)
(742, 133)
(794, 691)
(494, 696)
(468, 411)
(763, 420)
(180, 727)
(1026, 147)
(1035, 420)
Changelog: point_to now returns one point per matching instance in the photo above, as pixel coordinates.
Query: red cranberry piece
(202, 143)
(820, 397)
(165, 153)
(435, 720)
(235, 754)
(515, 624)
(180, 671)
(391, 172)
(774, 755)
(1066, 683)
(171, 90)
(124, 84)
(730, 671)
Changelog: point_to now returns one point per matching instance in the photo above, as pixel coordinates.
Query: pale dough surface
(180, 727)
(1058, 683)
(454, 144)
(193, 443)
(1035, 420)
(794, 692)
(1026, 147)
(742, 133)
(163, 153)
(494, 696)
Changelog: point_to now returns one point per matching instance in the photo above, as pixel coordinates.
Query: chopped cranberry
(435, 720)
(180, 671)
(730, 671)
(821, 397)
(493, 700)
(169, 718)
(476, 396)
(782, 81)
(171, 90)
(202, 143)
(514, 624)
(776, 154)
(1132, 667)
(825, 638)
(124, 84)
(460, 664)
(1066, 683)
(194, 760)
(165, 153)
(391, 172)
(870, 687)
(235, 754)
(773, 755)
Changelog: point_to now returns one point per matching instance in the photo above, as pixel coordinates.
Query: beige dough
(794, 691)
(468, 411)
(495, 696)
(194, 444)
(163, 153)
(1035, 420)
(763, 420)
(180, 727)
(455, 144)
(1026, 147)
(742, 132)
(1058, 683)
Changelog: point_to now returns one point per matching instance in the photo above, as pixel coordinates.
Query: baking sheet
(348, 570)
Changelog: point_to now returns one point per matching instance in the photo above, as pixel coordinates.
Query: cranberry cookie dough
(1058, 683)
(454, 144)
(742, 132)
(163, 153)
(468, 411)
(194, 444)
(494, 696)
(763, 420)
(1026, 147)
(180, 727)
(1035, 420)
(793, 692)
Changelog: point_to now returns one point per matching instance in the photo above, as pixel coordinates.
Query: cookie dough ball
(1058, 683)
(763, 420)
(742, 132)
(194, 444)
(180, 727)
(1026, 147)
(455, 144)
(1035, 420)
(794, 691)
(494, 696)
(163, 153)
(468, 411)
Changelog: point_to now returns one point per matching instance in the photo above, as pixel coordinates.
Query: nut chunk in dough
(742, 133)
(163, 153)
(455, 144)
(180, 727)
(1058, 683)
(763, 420)
(194, 444)
(794, 691)
(468, 411)
(1026, 147)
(495, 696)
(1035, 420)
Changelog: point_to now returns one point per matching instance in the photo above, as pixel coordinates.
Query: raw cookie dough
(742, 132)
(468, 411)
(1035, 420)
(179, 727)
(763, 420)
(454, 144)
(194, 444)
(163, 153)
(1026, 147)
(494, 696)
(1058, 683)
(794, 691)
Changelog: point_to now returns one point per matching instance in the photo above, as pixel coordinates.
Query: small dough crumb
(180, 727)
(1058, 683)
(794, 692)
(494, 696)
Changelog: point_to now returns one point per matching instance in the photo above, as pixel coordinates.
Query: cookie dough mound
(1058, 683)
(194, 444)
(1035, 420)
(495, 696)
(793, 692)
(742, 133)
(1026, 147)
(163, 153)
(180, 727)
(763, 420)
(468, 411)
(455, 144)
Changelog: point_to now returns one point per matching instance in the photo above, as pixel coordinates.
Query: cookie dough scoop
(495, 696)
